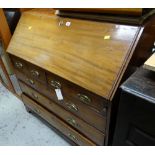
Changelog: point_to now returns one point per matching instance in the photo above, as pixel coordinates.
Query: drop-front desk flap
(93, 55)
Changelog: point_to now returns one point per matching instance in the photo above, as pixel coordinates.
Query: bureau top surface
(141, 84)
(91, 54)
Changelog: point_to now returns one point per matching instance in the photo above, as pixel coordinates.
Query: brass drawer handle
(35, 73)
(72, 107)
(19, 65)
(55, 84)
(85, 99)
(73, 137)
(72, 122)
(35, 95)
(30, 81)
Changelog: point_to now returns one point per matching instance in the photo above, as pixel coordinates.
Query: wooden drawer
(36, 73)
(74, 121)
(42, 88)
(29, 69)
(77, 94)
(81, 110)
(56, 122)
(19, 64)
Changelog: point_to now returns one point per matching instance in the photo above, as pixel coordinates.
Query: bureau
(69, 71)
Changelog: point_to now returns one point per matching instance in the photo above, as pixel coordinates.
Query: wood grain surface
(77, 123)
(88, 53)
(150, 63)
(57, 123)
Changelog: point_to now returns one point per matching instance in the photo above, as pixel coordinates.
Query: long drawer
(57, 123)
(89, 131)
(81, 110)
(76, 93)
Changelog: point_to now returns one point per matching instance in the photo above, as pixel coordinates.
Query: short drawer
(89, 131)
(29, 69)
(42, 88)
(19, 64)
(57, 123)
(36, 73)
(77, 94)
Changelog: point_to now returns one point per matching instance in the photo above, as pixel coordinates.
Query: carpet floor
(19, 128)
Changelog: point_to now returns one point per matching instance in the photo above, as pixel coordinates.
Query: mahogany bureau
(69, 71)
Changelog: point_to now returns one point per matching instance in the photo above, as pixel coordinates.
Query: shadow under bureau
(69, 71)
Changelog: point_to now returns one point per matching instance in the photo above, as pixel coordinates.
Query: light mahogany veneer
(93, 55)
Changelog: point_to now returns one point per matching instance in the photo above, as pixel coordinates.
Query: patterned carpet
(19, 128)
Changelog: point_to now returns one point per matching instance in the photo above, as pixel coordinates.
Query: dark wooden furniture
(70, 70)
(118, 11)
(135, 121)
(134, 16)
(12, 16)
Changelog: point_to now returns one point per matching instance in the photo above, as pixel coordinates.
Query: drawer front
(42, 88)
(74, 121)
(94, 119)
(77, 94)
(81, 110)
(34, 94)
(57, 123)
(19, 64)
(36, 73)
(29, 69)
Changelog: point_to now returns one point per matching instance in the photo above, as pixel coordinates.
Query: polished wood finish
(78, 94)
(112, 18)
(24, 9)
(150, 63)
(96, 103)
(69, 118)
(29, 69)
(84, 59)
(56, 122)
(36, 73)
(19, 65)
(84, 111)
(64, 52)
